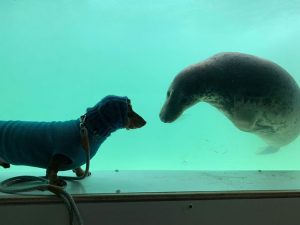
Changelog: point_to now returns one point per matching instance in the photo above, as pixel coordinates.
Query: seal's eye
(169, 93)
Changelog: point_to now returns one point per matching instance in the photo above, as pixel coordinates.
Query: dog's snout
(138, 120)
(142, 122)
(135, 120)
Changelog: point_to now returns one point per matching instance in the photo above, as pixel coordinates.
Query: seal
(257, 95)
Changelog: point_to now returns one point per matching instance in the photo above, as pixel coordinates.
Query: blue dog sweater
(34, 143)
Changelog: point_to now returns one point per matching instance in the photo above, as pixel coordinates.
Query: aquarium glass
(59, 57)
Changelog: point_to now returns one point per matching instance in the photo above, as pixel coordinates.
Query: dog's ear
(129, 103)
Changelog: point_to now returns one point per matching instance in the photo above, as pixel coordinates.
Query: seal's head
(172, 107)
(180, 96)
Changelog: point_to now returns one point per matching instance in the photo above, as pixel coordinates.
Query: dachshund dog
(57, 146)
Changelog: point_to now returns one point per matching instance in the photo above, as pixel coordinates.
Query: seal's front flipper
(268, 150)
(4, 164)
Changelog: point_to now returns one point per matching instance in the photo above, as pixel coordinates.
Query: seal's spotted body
(257, 95)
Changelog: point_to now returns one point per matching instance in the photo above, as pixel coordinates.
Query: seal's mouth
(164, 119)
(167, 118)
(171, 109)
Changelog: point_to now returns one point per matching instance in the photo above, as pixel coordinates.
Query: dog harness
(35, 143)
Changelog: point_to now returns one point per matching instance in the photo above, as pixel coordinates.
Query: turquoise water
(59, 57)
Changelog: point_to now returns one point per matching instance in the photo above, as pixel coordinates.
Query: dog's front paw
(89, 173)
(58, 182)
(80, 172)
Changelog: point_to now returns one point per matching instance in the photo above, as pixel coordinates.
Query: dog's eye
(129, 110)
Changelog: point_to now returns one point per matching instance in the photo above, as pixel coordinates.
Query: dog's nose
(139, 122)
(143, 122)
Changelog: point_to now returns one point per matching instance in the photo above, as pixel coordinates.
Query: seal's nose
(164, 118)
(161, 117)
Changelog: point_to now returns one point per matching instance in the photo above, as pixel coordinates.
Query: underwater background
(59, 57)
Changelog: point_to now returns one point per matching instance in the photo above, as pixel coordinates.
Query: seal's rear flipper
(268, 150)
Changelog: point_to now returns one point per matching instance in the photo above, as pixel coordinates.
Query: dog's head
(114, 112)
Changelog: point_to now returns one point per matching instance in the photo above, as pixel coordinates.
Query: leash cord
(9, 186)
